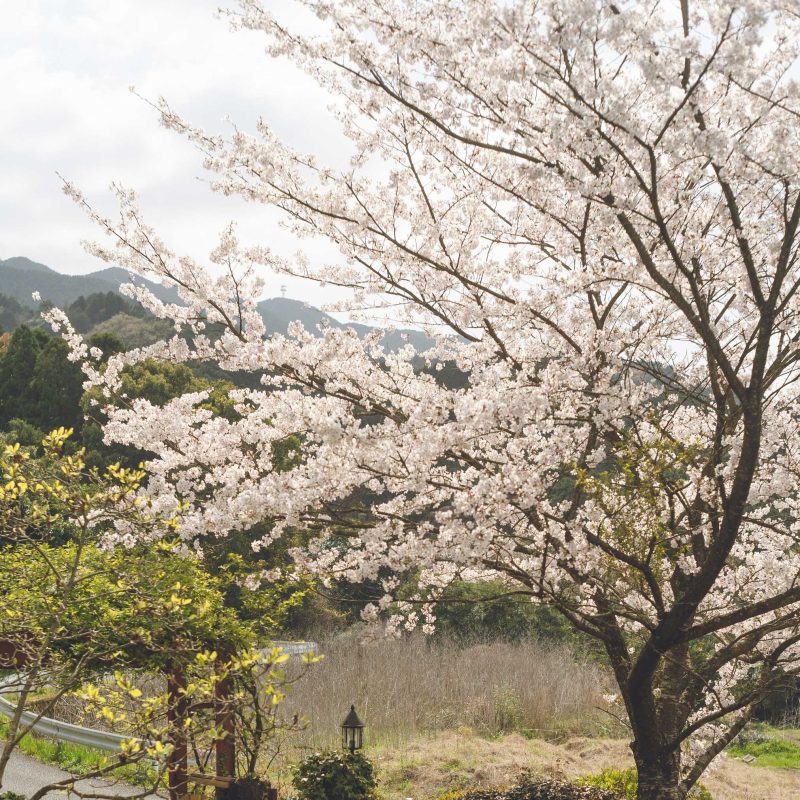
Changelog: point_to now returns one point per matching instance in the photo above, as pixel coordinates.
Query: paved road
(25, 776)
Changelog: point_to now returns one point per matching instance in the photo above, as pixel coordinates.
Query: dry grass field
(441, 716)
(425, 768)
(404, 688)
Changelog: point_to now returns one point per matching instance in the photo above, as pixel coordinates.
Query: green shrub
(470, 614)
(623, 783)
(536, 790)
(335, 776)
(11, 796)
(506, 710)
(557, 790)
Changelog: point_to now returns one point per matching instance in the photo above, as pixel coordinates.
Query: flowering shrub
(595, 208)
(334, 775)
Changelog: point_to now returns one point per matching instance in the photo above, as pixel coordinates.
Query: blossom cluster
(592, 207)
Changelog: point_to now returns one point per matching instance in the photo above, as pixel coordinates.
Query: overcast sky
(65, 69)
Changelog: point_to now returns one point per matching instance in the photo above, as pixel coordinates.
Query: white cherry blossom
(593, 207)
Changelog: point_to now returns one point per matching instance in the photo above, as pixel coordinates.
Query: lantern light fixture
(352, 731)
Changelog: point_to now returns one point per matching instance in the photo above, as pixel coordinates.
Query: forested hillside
(41, 389)
(20, 277)
(94, 299)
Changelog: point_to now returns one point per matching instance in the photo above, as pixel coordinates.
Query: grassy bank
(769, 746)
(77, 759)
(429, 767)
(441, 716)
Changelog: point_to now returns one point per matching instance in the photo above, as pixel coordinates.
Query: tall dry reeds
(402, 688)
(419, 685)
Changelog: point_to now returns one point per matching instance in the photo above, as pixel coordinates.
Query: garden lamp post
(352, 731)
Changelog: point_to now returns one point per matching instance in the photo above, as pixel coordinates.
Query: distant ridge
(278, 312)
(20, 262)
(20, 277)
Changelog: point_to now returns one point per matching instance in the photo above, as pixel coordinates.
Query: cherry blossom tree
(593, 206)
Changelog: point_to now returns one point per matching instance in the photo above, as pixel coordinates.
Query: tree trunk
(225, 746)
(659, 778)
(177, 761)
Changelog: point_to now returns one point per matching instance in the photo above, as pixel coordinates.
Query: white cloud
(65, 70)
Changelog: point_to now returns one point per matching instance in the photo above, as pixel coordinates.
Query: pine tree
(16, 372)
(56, 385)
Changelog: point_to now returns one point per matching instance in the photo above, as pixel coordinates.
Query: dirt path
(25, 776)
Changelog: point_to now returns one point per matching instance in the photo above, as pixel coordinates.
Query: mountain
(20, 278)
(278, 312)
(20, 262)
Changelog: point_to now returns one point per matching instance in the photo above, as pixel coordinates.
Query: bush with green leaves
(537, 789)
(332, 775)
(624, 783)
(485, 611)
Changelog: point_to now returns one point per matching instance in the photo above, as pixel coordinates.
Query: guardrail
(296, 648)
(90, 737)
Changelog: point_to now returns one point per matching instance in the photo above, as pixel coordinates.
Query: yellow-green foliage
(625, 782)
(136, 604)
(63, 593)
(123, 707)
(79, 610)
(143, 607)
(39, 497)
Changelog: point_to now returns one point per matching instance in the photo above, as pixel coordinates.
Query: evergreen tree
(12, 313)
(108, 343)
(57, 386)
(16, 372)
(89, 310)
(156, 382)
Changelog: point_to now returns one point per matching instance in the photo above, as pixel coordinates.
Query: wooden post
(21, 653)
(178, 761)
(225, 746)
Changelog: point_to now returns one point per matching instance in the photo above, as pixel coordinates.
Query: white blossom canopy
(594, 207)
